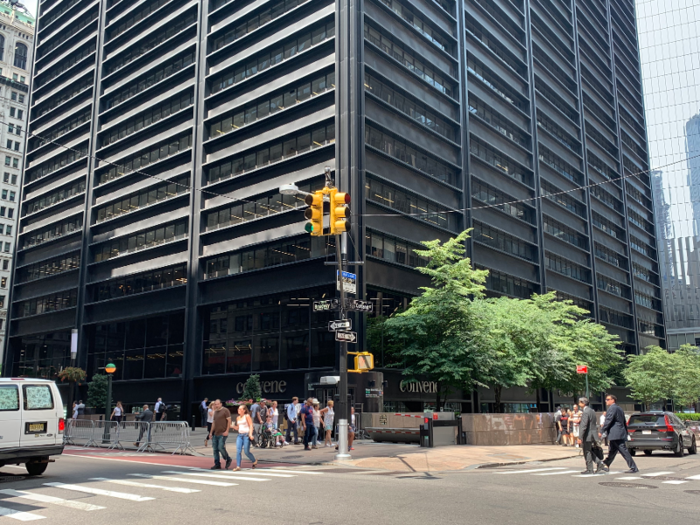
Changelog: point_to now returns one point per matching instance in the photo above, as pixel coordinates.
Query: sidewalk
(401, 457)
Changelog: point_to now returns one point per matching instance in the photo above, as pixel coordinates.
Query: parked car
(657, 430)
(31, 423)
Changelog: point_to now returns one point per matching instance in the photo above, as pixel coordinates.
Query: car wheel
(680, 450)
(647, 452)
(633, 452)
(693, 447)
(36, 469)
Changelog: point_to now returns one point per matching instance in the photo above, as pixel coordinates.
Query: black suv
(656, 430)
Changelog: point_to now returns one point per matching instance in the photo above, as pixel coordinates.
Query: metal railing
(150, 437)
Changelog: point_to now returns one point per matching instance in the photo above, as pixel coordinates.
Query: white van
(31, 423)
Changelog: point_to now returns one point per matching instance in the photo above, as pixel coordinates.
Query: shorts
(351, 429)
(564, 432)
(328, 427)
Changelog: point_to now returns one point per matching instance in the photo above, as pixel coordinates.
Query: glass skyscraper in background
(670, 51)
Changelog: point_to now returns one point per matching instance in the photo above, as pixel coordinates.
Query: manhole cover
(11, 478)
(626, 485)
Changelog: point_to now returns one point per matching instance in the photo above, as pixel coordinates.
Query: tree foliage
(72, 374)
(434, 333)
(97, 391)
(251, 389)
(658, 375)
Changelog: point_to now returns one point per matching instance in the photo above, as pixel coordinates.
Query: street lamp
(110, 368)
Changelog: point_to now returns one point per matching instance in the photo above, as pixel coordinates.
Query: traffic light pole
(343, 409)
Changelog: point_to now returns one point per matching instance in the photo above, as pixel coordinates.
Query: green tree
(686, 376)
(650, 376)
(434, 335)
(97, 391)
(251, 389)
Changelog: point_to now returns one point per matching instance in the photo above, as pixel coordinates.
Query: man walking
(615, 429)
(160, 409)
(258, 413)
(292, 421)
(307, 421)
(146, 416)
(557, 425)
(588, 438)
(219, 432)
(79, 409)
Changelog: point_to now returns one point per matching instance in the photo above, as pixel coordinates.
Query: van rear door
(10, 416)
(39, 420)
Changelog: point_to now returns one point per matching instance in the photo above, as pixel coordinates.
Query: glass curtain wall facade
(190, 268)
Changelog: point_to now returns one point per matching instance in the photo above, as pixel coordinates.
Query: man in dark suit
(146, 416)
(615, 428)
(588, 437)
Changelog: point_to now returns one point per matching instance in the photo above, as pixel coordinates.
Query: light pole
(110, 368)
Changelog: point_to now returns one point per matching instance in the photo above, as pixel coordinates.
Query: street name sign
(325, 306)
(349, 282)
(346, 337)
(342, 324)
(581, 369)
(360, 306)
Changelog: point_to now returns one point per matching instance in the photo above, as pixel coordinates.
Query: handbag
(597, 450)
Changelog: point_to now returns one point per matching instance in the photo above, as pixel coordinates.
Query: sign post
(583, 369)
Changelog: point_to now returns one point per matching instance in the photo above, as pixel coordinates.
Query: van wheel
(693, 448)
(647, 452)
(36, 469)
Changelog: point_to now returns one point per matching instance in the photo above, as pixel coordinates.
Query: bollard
(343, 440)
(193, 423)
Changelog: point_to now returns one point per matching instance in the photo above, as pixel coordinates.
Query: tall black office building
(151, 218)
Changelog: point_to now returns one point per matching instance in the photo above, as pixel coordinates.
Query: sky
(670, 56)
(30, 5)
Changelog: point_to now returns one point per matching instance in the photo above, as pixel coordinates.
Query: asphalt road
(135, 489)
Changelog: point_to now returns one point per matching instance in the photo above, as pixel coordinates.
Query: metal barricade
(107, 433)
(80, 432)
(166, 435)
(133, 433)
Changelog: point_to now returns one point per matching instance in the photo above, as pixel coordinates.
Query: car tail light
(631, 430)
(61, 425)
(669, 426)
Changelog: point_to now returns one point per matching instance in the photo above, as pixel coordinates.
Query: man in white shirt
(159, 409)
(292, 413)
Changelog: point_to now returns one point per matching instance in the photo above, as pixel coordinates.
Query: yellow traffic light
(314, 213)
(340, 212)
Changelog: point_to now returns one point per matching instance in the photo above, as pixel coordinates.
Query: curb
(493, 465)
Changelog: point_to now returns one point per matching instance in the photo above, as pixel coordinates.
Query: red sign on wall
(581, 369)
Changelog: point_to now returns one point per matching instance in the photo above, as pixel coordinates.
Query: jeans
(256, 432)
(242, 441)
(315, 438)
(292, 425)
(218, 445)
(308, 435)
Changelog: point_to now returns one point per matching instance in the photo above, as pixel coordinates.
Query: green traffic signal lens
(309, 227)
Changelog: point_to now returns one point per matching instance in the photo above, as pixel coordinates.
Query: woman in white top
(274, 412)
(117, 413)
(210, 421)
(317, 423)
(244, 427)
(328, 416)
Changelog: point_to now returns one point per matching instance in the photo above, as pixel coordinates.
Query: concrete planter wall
(509, 429)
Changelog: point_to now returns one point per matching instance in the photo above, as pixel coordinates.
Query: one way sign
(343, 324)
(346, 337)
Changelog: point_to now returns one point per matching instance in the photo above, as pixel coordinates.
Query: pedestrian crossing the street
(143, 488)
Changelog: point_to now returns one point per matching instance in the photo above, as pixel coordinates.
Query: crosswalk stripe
(181, 479)
(597, 475)
(130, 483)
(675, 482)
(238, 472)
(557, 473)
(219, 476)
(43, 498)
(21, 516)
(282, 471)
(98, 492)
(693, 477)
(530, 471)
(657, 474)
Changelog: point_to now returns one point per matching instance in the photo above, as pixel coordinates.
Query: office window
(15, 77)
(2, 301)
(3, 282)
(7, 247)
(8, 160)
(5, 264)
(10, 213)
(9, 144)
(4, 195)
(14, 95)
(18, 130)
(13, 194)
(20, 113)
(12, 112)
(6, 177)
(13, 179)
(3, 210)
(15, 163)
(22, 79)
(16, 146)
(21, 98)
(8, 230)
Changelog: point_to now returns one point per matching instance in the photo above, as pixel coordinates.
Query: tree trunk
(497, 394)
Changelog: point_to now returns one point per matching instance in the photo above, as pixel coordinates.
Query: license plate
(35, 428)
(646, 431)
